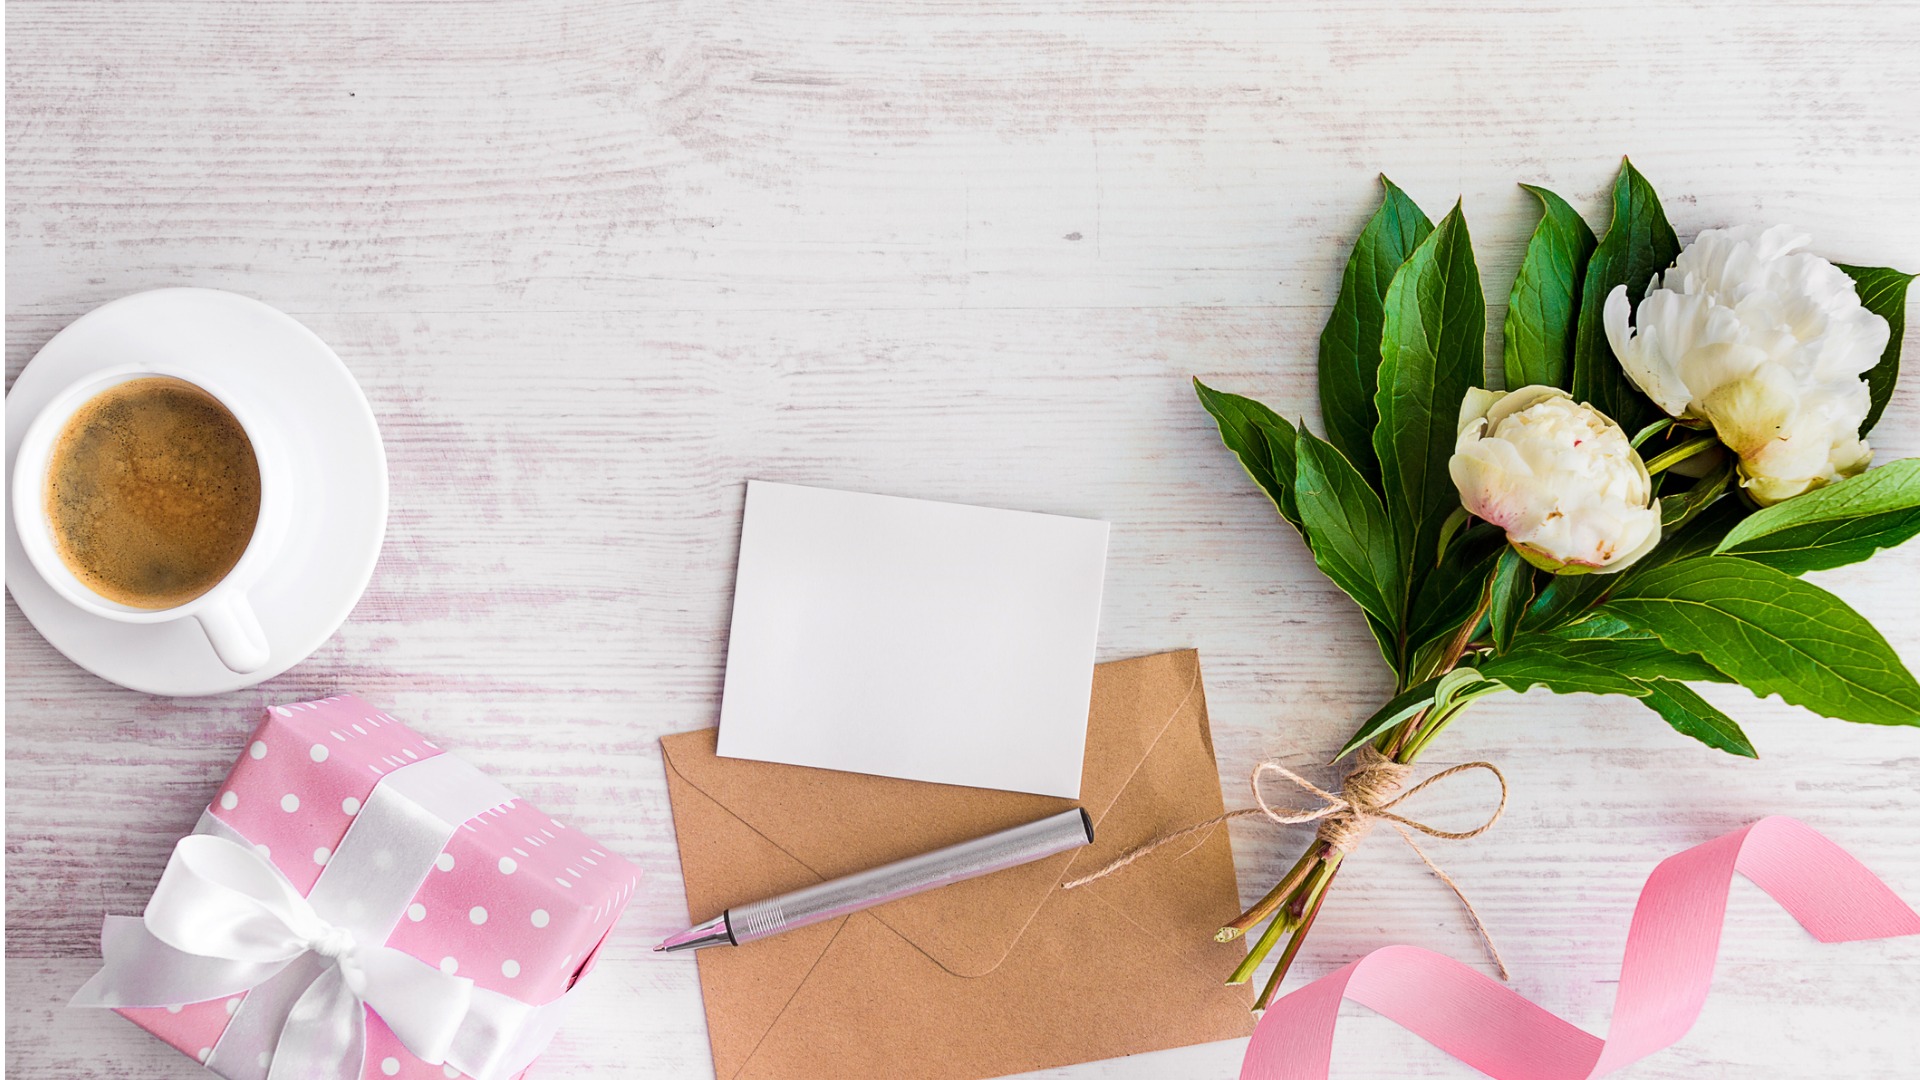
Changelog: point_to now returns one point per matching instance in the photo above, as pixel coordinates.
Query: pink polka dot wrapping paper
(517, 901)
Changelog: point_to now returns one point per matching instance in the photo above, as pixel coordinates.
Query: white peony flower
(1560, 477)
(1766, 342)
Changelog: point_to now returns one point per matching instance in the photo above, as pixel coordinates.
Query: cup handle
(235, 632)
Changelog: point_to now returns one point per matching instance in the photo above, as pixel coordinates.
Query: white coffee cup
(223, 611)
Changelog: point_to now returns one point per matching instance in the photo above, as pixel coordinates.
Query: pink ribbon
(1671, 946)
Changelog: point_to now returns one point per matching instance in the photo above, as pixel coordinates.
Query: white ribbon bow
(225, 904)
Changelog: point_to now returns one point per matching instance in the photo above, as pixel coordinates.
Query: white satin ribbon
(222, 901)
(223, 919)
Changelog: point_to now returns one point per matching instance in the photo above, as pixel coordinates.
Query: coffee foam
(153, 492)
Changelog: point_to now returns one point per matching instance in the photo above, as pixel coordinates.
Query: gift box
(396, 875)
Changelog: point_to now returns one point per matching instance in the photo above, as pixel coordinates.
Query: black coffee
(153, 492)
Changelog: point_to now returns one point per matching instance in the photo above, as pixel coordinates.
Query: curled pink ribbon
(1671, 946)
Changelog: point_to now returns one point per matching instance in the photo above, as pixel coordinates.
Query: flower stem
(1261, 947)
(1393, 742)
(1418, 744)
(1295, 901)
(1651, 430)
(1681, 453)
(1309, 913)
(1271, 902)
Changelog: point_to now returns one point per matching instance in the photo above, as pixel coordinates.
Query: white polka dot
(232, 1004)
(540, 918)
(564, 883)
(265, 1059)
(318, 753)
(521, 853)
(339, 736)
(452, 1073)
(289, 802)
(258, 750)
(321, 855)
(449, 965)
(572, 871)
(390, 1066)
(411, 756)
(229, 800)
(262, 849)
(350, 805)
(511, 969)
(175, 1009)
(203, 1053)
(507, 865)
(445, 861)
(282, 710)
(478, 915)
(416, 912)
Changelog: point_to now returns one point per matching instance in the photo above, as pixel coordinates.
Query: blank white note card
(923, 640)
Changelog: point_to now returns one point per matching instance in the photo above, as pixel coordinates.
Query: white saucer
(339, 468)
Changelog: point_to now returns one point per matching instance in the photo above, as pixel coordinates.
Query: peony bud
(1767, 343)
(1560, 477)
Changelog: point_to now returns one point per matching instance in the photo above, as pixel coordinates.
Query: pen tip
(662, 947)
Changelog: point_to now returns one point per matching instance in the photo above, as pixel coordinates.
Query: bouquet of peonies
(1683, 435)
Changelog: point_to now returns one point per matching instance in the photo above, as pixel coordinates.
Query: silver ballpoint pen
(1007, 848)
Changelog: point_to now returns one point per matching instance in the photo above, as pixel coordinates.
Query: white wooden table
(596, 264)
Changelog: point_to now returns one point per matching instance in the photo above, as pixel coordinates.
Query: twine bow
(1367, 796)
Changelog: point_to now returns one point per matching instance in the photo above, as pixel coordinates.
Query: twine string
(1367, 796)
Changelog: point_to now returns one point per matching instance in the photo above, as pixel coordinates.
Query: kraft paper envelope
(1000, 974)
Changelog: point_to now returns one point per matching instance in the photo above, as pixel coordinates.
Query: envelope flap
(835, 823)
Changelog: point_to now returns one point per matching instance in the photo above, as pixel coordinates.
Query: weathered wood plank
(598, 264)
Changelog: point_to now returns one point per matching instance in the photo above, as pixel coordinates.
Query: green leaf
(1433, 348)
(1460, 686)
(1543, 308)
(1680, 507)
(1261, 440)
(1565, 597)
(1449, 529)
(1884, 292)
(1350, 345)
(1638, 244)
(1352, 538)
(1691, 540)
(1774, 634)
(1598, 626)
(1691, 714)
(1388, 638)
(1451, 593)
(1393, 712)
(1512, 592)
(1835, 525)
(1525, 668)
(1567, 601)
(1641, 658)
